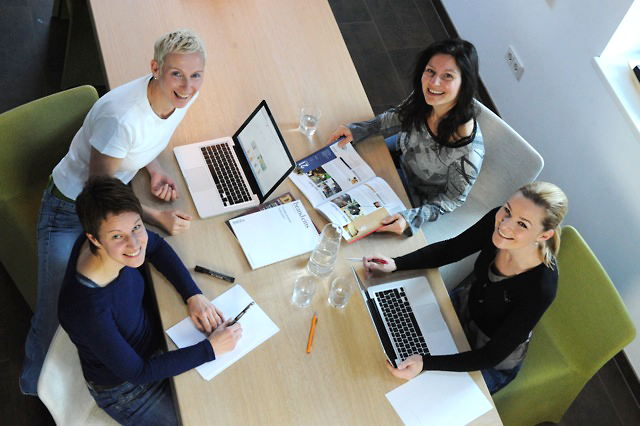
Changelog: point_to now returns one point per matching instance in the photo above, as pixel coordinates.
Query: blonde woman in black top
(515, 281)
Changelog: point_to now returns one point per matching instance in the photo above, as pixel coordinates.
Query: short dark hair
(101, 196)
(414, 110)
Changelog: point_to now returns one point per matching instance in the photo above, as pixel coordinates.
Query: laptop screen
(265, 150)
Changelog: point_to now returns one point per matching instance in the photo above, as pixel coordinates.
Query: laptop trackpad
(199, 179)
(429, 318)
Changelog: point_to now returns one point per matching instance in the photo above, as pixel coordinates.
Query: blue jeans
(129, 404)
(58, 228)
(495, 379)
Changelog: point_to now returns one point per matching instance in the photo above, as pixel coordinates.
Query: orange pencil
(312, 332)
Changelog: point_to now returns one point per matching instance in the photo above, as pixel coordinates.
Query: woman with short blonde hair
(125, 131)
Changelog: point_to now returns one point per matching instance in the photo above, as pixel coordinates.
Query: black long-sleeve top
(506, 311)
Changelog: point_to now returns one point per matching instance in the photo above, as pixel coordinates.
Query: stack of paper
(256, 328)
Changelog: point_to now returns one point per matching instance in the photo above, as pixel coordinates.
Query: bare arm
(100, 164)
(162, 186)
(171, 221)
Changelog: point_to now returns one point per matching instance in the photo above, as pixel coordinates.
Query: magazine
(344, 189)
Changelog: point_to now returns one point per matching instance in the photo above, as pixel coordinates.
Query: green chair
(35, 136)
(585, 327)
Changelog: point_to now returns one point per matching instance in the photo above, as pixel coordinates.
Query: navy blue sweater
(506, 311)
(114, 333)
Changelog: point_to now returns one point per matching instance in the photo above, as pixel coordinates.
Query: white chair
(509, 162)
(62, 388)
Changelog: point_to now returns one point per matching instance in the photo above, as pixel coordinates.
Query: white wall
(562, 108)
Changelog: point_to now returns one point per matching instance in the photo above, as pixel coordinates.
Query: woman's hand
(224, 338)
(342, 132)
(378, 263)
(172, 222)
(395, 223)
(162, 186)
(407, 369)
(205, 316)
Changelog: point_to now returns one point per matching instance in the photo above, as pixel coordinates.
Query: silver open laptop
(407, 319)
(234, 173)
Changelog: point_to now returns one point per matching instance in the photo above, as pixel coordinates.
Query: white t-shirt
(121, 124)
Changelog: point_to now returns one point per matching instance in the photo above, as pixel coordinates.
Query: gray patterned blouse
(439, 178)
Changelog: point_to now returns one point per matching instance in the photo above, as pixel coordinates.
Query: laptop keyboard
(403, 327)
(226, 174)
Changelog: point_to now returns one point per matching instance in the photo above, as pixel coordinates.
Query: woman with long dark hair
(433, 135)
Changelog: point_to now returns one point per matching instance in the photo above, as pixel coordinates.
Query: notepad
(257, 327)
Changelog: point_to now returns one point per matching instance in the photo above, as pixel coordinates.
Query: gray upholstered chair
(509, 163)
(62, 389)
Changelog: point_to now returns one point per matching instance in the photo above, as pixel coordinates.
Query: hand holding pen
(224, 338)
(378, 263)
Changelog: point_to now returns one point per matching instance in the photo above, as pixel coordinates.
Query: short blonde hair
(555, 202)
(180, 41)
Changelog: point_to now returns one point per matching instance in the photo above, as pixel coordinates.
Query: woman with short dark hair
(102, 308)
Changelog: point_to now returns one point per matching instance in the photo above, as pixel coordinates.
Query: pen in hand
(244, 311)
(374, 260)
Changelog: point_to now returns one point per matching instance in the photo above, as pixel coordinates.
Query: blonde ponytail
(555, 203)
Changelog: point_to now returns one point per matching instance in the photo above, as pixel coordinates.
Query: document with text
(275, 234)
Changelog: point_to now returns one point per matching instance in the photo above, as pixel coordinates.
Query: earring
(535, 244)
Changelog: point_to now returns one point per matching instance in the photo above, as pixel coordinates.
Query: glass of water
(304, 288)
(340, 292)
(309, 117)
(323, 259)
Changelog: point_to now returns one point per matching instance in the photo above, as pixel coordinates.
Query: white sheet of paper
(439, 398)
(256, 328)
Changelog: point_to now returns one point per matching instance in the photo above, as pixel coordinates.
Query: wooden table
(291, 53)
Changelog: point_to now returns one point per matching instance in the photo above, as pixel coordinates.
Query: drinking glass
(304, 288)
(340, 292)
(323, 259)
(309, 117)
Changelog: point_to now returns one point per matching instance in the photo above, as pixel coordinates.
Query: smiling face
(178, 81)
(122, 239)
(519, 224)
(441, 81)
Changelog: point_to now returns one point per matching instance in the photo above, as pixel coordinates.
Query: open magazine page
(361, 210)
(330, 171)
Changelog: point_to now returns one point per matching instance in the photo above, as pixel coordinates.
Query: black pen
(214, 274)
(244, 311)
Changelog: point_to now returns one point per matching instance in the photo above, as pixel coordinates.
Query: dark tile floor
(383, 37)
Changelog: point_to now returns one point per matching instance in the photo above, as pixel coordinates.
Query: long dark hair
(414, 110)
